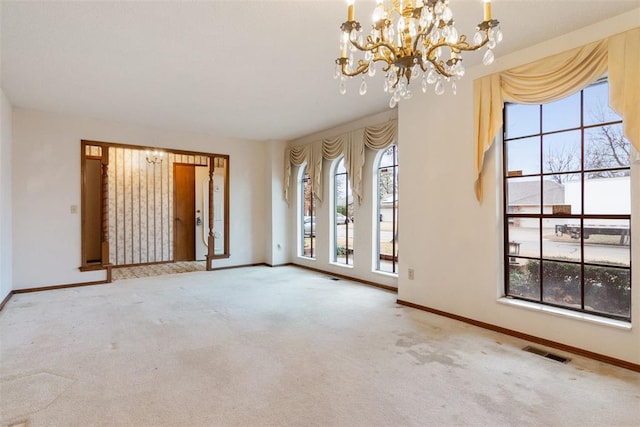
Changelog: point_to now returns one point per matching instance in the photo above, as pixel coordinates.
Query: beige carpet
(280, 346)
(121, 273)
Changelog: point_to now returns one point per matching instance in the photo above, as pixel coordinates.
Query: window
(387, 211)
(308, 220)
(568, 204)
(95, 162)
(342, 216)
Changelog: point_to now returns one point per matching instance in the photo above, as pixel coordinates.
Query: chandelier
(411, 38)
(154, 157)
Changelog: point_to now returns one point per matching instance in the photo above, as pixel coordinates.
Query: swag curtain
(556, 77)
(351, 145)
(312, 157)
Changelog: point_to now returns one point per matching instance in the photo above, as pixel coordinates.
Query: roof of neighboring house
(528, 193)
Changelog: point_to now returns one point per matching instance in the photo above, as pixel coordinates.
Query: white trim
(375, 172)
(385, 273)
(338, 264)
(542, 308)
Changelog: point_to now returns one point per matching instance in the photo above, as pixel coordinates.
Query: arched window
(343, 226)
(386, 258)
(308, 216)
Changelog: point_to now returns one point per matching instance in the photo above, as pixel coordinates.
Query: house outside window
(386, 257)
(567, 204)
(308, 219)
(343, 225)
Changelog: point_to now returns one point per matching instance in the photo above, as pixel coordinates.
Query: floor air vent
(335, 279)
(546, 354)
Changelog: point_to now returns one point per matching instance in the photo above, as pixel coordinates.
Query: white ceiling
(254, 69)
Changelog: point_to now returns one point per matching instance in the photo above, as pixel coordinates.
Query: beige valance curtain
(297, 156)
(556, 77)
(351, 145)
(380, 137)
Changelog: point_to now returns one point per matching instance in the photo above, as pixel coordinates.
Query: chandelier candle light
(411, 38)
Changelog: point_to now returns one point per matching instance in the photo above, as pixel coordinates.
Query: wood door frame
(105, 264)
(104, 240)
(175, 208)
(226, 253)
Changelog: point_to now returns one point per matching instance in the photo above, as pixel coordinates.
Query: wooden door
(184, 200)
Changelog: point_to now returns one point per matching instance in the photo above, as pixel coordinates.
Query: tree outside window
(308, 220)
(568, 204)
(343, 224)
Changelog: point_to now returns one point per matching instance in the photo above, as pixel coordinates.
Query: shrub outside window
(567, 201)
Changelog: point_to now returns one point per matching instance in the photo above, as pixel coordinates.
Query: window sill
(337, 264)
(385, 274)
(306, 258)
(619, 324)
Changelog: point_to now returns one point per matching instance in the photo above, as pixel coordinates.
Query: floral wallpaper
(141, 205)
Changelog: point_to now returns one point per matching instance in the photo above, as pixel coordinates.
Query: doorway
(129, 217)
(184, 197)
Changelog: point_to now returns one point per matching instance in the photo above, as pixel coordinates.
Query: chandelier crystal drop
(410, 38)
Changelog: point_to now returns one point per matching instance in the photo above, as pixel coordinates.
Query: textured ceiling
(248, 69)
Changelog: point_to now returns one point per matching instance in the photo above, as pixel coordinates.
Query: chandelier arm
(385, 69)
(439, 68)
(374, 46)
(462, 45)
(437, 64)
(362, 67)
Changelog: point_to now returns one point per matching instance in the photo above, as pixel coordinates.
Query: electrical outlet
(411, 274)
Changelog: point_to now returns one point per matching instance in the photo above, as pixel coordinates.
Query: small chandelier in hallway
(411, 38)
(154, 157)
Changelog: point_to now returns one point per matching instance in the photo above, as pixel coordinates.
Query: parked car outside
(310, 222)
(309, 226)
(341, 219)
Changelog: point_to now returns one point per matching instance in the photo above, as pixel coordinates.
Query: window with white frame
(386, 217)
(308, 217)
(343, 225)
(567, 204)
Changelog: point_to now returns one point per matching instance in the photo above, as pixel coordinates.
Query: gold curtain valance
(556, 77)
(351, 145)
(298, 156)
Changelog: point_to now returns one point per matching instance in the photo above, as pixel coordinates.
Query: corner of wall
(6, 205)
(276, 242)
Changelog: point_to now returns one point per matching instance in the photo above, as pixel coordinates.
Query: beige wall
(46, 242)
(6, 238)
(454, 244)
(276, 216)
